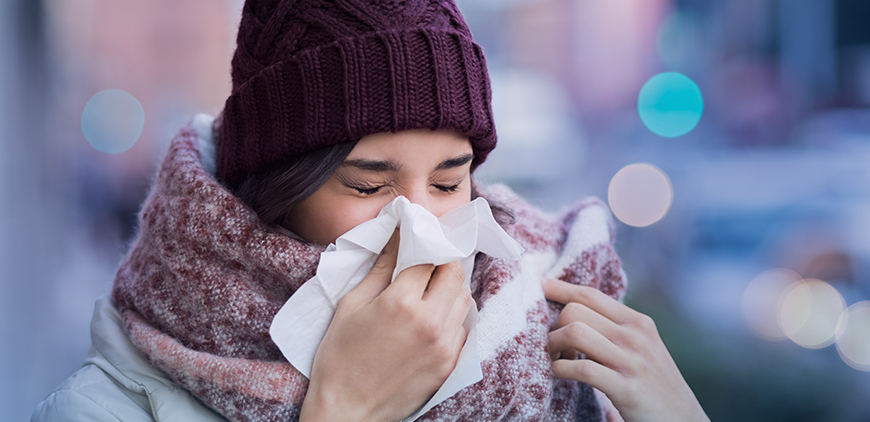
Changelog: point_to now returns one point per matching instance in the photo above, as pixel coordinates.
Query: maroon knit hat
(313, 73)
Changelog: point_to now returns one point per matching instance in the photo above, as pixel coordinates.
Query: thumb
(380, 276)
(386, 262)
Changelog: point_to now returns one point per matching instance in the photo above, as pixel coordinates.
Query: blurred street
(745, 231)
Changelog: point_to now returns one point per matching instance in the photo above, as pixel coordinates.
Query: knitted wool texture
(312, 73)
(204, 278)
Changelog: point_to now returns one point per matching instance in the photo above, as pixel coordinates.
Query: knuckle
(572, 310)
(454, 270)
(441, 350)
(583, 294)
(446, 354)
(430, 333)
(628, 337)
(576, 331)
(382, 265)
(407, 306)
(402, 307)
(466, 300)
(585, 370)
(646, 323)
(634, 340)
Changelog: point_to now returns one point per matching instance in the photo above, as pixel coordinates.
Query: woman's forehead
(416, 142)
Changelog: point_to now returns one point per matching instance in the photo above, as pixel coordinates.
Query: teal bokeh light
(113, 120)
(670, 104)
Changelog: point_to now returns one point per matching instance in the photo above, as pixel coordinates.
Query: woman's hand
(626, 358)
(389, 346)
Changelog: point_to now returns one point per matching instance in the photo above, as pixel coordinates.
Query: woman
(338, 108)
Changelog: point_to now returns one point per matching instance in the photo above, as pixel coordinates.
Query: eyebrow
(380, 166)
(383, 166)
(455, 162)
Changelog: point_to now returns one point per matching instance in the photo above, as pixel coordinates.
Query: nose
(419, 195)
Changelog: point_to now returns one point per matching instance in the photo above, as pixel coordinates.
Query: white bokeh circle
(853, 340)
(640, 194)
(760, 299)
(810, 312)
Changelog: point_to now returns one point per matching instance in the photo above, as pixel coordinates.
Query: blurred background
(746, 235)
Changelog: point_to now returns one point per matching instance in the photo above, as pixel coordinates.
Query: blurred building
(775, 174)
(173, 56)
(67, 208)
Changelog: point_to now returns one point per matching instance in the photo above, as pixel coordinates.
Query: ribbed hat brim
(339, 92)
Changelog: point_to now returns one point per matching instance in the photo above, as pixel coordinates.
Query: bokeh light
(760, 299)
(113, 120)
(853, 342)
(670, 104)
(810, 312)
(640, 194)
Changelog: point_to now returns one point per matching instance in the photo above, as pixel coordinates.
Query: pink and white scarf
(204, 277)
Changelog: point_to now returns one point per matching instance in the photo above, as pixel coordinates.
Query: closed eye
(367, 191)
(447, 189)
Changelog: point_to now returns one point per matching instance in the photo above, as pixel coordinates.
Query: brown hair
(274, 190)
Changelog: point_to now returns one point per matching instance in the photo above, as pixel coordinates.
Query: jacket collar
(112, 351)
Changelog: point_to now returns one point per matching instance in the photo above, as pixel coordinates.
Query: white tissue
(300, 325)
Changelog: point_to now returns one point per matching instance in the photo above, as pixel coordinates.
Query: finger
(412, 281)
(562, 292)
(445, 284)
(579, 336)
(456, 318)
(577, 312)
(459, 342)
(458, 310)
(590, 372)
(379, 276)
(387, 259)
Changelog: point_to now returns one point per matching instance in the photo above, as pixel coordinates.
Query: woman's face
(430, 168)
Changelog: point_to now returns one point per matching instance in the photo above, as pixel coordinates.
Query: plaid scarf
(204, 277)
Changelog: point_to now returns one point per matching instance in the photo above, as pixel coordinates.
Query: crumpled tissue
(299, 327)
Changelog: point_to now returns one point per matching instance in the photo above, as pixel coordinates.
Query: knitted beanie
(313, 73)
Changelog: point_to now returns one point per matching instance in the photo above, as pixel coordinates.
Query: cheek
(340, 216)
(445, 205)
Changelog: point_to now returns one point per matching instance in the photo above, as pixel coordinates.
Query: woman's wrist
(322, 406)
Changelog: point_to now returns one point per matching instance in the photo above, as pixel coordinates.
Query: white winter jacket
(116, 383)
